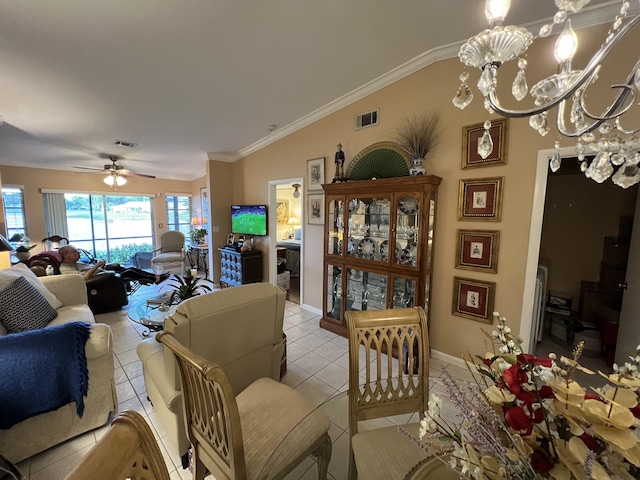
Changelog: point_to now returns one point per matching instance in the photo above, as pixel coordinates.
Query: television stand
(239, 268)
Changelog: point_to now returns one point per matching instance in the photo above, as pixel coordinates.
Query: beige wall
(428, 89)
(34, 179)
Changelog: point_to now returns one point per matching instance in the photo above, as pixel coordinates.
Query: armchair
(238, 328)
(171, 254)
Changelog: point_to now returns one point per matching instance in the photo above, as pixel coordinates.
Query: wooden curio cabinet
(378, 246)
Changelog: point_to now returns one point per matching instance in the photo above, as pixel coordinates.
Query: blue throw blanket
(43, 370)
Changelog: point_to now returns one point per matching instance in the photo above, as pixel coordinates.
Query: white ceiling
(189, 80)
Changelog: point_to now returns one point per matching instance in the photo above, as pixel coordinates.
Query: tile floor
(317, 367)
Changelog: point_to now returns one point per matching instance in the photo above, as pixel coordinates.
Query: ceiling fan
(116, 174)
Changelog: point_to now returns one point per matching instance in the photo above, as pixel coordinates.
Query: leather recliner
(106, 291)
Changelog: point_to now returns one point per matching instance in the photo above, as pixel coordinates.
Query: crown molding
(588, 17)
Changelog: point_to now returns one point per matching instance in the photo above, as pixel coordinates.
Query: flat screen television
(249, 219)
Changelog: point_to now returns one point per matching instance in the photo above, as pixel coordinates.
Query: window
(179, 213)
(113, 227)
(13, 210)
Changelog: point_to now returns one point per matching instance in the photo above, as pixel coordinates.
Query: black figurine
(339, 161)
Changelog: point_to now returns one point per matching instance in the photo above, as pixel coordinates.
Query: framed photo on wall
(315, 209)
(473, 299)
(315, 174)
(472, 134)
(478, 250)
(480, 199)
(282, 211)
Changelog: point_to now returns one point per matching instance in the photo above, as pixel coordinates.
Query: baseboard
(311, 309)
(445, 357)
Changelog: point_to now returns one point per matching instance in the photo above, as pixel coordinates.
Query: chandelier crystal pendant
(600, 136)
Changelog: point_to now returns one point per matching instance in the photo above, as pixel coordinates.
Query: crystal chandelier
(600, 136)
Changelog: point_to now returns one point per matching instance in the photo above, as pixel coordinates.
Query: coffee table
(150, 315)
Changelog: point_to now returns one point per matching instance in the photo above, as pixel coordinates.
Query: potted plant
(418, 135)
(187, 287)
(197, 235)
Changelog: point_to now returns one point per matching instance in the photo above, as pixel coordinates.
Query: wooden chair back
(211, 412)
(391, 386)
(127, 451)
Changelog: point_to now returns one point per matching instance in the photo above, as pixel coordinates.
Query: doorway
(286, 236)
(572, 232)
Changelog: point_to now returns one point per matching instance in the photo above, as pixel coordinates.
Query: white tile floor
(317, 367)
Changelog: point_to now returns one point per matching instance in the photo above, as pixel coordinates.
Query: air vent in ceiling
(368, 119)
(122, 143)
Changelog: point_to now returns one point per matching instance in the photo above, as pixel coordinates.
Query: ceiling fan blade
(89, 168)
(133, 174)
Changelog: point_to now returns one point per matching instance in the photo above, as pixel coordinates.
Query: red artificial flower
(515, 376)
(636, 411)
(541, 462)
(517, 419)
(593, 396)
(590, 442)
(526, 358)
(546, 392)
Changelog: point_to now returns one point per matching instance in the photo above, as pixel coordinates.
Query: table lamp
(292, 221)
(5, 253)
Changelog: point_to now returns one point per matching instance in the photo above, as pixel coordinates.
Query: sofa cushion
(9, 275)
(23, 308)
(73, 313)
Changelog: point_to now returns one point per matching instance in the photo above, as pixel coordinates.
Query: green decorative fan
(380, 160)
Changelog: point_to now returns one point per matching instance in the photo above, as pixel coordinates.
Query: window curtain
(55, 213)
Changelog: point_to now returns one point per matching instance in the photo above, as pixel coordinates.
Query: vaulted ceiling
(188, 80)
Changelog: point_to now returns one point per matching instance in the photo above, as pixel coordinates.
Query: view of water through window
(112, 227)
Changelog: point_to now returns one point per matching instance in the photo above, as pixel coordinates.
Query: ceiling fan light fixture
(120, 181)
(109, 180)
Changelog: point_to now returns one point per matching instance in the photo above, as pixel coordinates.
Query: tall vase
(418, 168)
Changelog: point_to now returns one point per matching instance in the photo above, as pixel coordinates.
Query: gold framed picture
(473, 299)
(478, 250)
(480, 199)
(472, 134)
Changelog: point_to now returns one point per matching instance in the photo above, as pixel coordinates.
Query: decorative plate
(384, 250)
(408, 255)
(351, 247)
(409, 205)
(367, 248)
(380, 160)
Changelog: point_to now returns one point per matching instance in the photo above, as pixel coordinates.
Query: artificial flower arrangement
(526, 417)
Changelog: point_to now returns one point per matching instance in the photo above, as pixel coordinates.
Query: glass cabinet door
(366, 290)
(335, 229)
(334, 292)
(407, 230)
(368, 227)
(404, 292)
(432, 219)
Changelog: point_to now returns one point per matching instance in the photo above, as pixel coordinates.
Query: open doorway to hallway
(584, 246)
(286, 236)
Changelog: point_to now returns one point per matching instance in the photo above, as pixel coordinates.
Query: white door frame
(273, 230)
(535, 239)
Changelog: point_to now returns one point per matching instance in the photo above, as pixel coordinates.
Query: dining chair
(388, 376)
(262, 433)
(127, 451)
(170, 256)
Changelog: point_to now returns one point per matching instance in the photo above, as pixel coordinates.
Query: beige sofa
(238, 328)
(43, 431)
